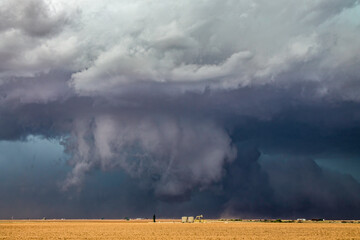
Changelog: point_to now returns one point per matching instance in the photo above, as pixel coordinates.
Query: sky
(231, 108)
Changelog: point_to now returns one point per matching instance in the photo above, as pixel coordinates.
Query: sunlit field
(170, 229)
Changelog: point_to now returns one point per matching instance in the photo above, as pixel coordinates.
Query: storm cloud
(182, 101)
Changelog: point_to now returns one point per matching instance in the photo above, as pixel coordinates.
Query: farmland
(171, 229)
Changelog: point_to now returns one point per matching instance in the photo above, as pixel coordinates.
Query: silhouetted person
(154, 218)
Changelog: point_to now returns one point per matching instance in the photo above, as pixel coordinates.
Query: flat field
(169, 229)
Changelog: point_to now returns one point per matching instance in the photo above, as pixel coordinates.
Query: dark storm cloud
(301, 187)
(237, 186)
(173, 95)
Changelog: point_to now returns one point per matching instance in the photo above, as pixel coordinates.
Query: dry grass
(166, 229)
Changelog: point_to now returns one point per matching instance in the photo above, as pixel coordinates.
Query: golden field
(168, 229)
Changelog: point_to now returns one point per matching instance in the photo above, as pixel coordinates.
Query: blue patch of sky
(344, 165)
(32, 160)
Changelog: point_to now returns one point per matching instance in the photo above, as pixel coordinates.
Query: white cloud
(219, 44)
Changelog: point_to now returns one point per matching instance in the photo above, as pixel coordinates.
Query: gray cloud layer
(167, 92)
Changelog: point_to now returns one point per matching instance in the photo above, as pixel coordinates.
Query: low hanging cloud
(301, 186)
(157, 149)
(167, 92)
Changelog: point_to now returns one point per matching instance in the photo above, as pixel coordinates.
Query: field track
(169, 229)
